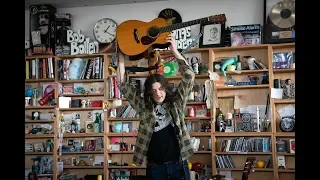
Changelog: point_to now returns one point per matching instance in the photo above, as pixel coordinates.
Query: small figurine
(195, 65)
(36, 166)
(89, 103)
(83, 103)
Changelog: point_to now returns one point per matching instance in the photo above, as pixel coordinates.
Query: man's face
(158, 92)
(213, 33)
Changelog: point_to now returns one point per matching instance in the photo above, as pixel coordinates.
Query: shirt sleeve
(186, 85)
(130, 93)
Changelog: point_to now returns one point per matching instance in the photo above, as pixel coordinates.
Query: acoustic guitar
(249, 164)
(136, 37)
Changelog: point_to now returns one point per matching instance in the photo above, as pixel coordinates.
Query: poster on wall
(184, 36)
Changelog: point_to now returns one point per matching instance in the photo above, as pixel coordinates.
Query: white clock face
(105, 30)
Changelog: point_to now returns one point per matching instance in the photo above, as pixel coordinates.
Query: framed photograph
(90, 145)
(213, 35)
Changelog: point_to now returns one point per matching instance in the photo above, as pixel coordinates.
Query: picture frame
(90, 145)
(212, 35)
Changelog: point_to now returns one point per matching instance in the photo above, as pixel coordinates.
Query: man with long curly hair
(162, 136)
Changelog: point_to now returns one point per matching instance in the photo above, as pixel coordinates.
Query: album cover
(244, 35)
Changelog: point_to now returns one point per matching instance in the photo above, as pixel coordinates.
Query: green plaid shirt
(147, 119)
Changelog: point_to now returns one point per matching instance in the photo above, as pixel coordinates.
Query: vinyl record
(170, 69)
(171, 16)
(283, 14)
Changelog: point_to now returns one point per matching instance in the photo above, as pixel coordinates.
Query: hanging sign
(184, 36)
(81, 45)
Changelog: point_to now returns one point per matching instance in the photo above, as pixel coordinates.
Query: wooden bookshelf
(254, 94)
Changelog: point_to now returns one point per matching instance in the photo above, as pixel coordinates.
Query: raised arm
(129, 92)
(187, 81)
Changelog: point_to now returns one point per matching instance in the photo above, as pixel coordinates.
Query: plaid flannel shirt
(147, 119)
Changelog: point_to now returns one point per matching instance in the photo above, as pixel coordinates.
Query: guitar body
(136, 37)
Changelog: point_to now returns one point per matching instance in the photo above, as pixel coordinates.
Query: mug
(194, 175)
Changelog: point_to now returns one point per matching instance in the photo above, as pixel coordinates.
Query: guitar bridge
(136, 35)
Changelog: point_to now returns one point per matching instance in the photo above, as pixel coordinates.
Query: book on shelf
(78, 68)
(224, 161)
(39, 68)
(244, 144)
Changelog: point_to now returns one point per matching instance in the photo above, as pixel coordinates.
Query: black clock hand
(105, 31)
(110, 34)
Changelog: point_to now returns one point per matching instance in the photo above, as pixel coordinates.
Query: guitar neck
(183, 24)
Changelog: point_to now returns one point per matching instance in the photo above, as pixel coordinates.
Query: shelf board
(112, 99)
(284, 101)
(197, 134)
(232, 134)
(123, 119)
(243, 87)
(196, 103)
(127, 167)
(84, 152)
(197, 76)
(81, 95)
(80, 81)
(188, 103)
(286, 171)
(82, 167)
(78, 56)
(39, 121)
(202, 152)
(197, 118)
(40, 56)
(239, 48)
(241, 153)
(245, 72)
(285, 154)
(39, 107)
(130, 134)
(38, 136)
(80, 109)
(241, 169)
(134, 134)
(39, 80)
(290, 70)
(69, 135)
(285, 134)
(120, 152)
(282, 45)
(38, 153)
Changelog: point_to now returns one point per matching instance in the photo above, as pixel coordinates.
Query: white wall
(238, 12)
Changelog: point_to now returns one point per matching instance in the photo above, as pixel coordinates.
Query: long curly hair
(148, 99)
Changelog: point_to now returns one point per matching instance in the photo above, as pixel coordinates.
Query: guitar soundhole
(153, 32)
(145, 40)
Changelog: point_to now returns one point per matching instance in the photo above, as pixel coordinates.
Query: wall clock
(104, 30)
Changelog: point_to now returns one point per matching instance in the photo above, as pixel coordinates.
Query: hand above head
(170, 39)
(173, 47)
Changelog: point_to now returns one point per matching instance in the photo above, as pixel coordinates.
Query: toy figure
(83, 103)
(36, 166)
(153, 61)
(230, 61)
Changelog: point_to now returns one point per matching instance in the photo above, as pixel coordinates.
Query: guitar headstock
(219, 18)
(248, 166)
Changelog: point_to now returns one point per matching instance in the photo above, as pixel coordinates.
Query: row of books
(39, 68)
